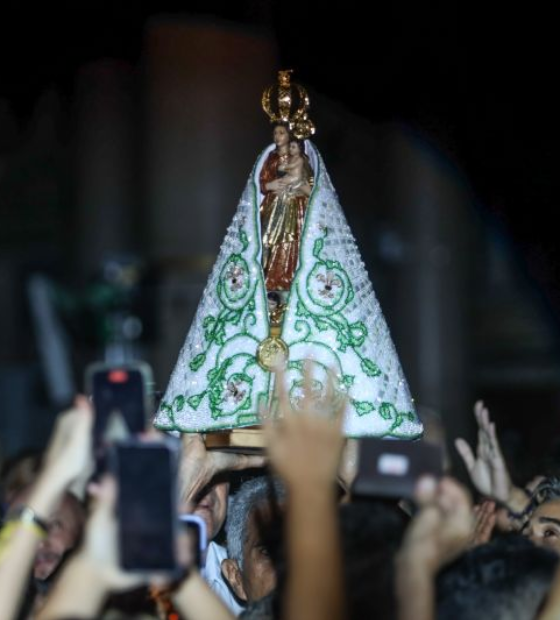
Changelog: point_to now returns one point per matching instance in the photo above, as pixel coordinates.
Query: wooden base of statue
(245, 440)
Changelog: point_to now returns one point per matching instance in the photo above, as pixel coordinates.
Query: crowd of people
(290, 541)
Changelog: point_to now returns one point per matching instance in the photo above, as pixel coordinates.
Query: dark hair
(371, 534)
(546, 491)
(506, 579)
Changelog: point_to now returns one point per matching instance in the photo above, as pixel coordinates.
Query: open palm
(487, 470)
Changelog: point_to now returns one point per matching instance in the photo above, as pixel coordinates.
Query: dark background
(477, 83)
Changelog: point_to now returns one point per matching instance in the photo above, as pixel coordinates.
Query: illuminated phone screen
(119, 392)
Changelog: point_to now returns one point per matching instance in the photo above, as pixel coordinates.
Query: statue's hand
(275, 186)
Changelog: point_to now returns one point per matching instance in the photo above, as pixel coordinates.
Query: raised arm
(487, 469)
(438, 533)
(67, 457)
(305, 449)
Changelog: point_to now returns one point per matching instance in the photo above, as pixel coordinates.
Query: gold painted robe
(282, 216)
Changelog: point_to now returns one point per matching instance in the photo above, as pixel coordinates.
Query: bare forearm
(47, 492)
(19, 549)
(414, 587)
(79, 593)
(315, 587)
(16, 559)
(196, 601)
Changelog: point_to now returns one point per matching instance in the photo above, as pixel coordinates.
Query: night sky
(480, 82)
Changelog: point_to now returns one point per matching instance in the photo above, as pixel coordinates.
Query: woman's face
(280, 136)
(293, 149)
(543, 527)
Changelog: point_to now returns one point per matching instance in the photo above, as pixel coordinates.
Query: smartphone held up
(122, 403)
(146, 475)
(391, 469)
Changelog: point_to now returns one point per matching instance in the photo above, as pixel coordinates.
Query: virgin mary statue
(288, 285)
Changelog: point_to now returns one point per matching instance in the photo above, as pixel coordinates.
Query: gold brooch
(272, 353)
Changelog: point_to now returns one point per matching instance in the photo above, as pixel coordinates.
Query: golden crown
(291, 102)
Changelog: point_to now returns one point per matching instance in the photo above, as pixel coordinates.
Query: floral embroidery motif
(228, 387)
(234, 285)
(235, 391)
(321, 305)
(329, 282)
(235, 275)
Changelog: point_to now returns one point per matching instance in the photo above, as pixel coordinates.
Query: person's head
(507, 579)
(543, 526)
(211, 506)
(372, 532)
(543, 523)
(249, 569)
(19, 473)
(281, 135)
(65, 526)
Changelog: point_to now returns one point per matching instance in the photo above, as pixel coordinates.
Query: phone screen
(388, 468)
(119, 392)
(146, 475)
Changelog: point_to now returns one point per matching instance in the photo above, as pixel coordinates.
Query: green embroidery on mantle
(323, 294)
(229, 384)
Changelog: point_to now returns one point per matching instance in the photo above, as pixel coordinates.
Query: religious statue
(288, 285)
(285, 181)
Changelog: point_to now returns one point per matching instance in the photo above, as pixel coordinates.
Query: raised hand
(484, 523)
(487, 470)
(436, 535)
(100, 547)
(442, 528)
(199, 465)
(93, 572)
(305, 445)
(69, 453)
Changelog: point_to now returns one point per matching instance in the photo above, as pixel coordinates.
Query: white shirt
(212, 574)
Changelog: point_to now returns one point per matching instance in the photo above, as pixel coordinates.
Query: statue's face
(293, 149)
(280, 136)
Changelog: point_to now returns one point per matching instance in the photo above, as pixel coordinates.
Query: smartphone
(121, 400)
(391, 468)
(196, 540)
(146, 474)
